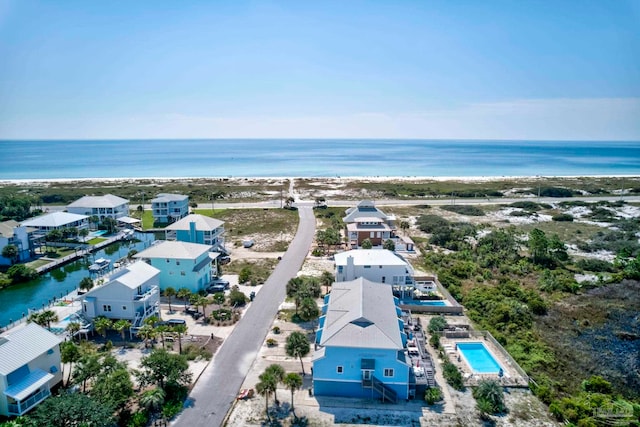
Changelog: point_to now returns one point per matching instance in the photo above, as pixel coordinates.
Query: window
(367, 266)
(167, 260)
(339, 369)
(340, 269)
(372, 234)
(124, 308)
(384, 279)
(388, 372)
(177, 262)
(106, 308)
(182, 273)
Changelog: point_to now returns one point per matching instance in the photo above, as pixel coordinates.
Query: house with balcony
(101, 206)
(376, 265)
(12, 233)
(195, 228)
(181, 264)
(131, 293)
(29, 368)
(167, 208)
(56, 221)
(366, 221)
(361, 344)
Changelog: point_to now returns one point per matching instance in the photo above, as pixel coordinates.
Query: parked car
(221, 282)
(215, 288)
(225, 259)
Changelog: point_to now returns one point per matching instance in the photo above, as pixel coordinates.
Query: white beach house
(101, 206)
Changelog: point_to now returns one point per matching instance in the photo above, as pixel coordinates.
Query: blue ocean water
(313, 158)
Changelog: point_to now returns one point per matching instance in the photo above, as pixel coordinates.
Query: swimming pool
(98, 233)
(439, 303)
(479, 359)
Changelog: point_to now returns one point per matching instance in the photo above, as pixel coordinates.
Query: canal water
(15, 301)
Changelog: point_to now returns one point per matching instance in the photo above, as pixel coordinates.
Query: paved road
(218, 386)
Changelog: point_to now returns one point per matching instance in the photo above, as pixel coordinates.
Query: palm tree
(95, 220)
(491, 392)
(48, 316)
(184, 294)
(152, 400)
(293, 381)
(102, 324)
(160, 330)
(264, 388)
(69, 353)
(86, 284)
(326, 279)
(297, 346)
(170, 293)
(404, 226)
(146, 332)
(180, 330)
(121, 326)
(278, 373)
(72, 328)
(10, 252)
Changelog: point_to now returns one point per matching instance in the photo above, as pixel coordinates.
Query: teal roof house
(181, 264)
(362, 344)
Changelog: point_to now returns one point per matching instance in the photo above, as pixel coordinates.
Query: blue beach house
(181, 264)
(195, 228)
(361, 343)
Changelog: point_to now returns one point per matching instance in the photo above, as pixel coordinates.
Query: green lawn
(38, 263)
(96, 240)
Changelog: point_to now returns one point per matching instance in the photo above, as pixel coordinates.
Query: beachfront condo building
(361, 343)
(168, 208)
(181, 264)
(101, 206)
(377, 265)
(131, 293)
(29, 368)
(201, 229)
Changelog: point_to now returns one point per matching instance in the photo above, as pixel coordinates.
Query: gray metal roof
(203, 223)
(367, 209)
(174, 249)
(361, 314)
(134, 275)
(369, 257)
(106, 201)
(54, 219)
(168, 197)
(7, 227)
(21, 345)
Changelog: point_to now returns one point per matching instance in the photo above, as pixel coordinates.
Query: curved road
(218, 385)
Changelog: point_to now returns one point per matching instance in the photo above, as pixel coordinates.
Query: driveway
(215, 391)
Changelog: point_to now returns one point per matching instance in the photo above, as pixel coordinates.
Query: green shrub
(437, 324)
(526, 205)
(555, 192)
(596, 265)
(469, 210)
(21, 273)
(453, 376)
(431, 223)
(139, 419)
(193, 352)
(433, 395)
(562, 217)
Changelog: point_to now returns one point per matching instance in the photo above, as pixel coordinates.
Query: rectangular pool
(439, 303)
(479, 359)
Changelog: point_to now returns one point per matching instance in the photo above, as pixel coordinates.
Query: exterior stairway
(384, 391)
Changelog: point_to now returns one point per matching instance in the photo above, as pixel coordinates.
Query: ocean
(59, 159)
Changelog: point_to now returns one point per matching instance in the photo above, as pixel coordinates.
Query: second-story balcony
(154, 290)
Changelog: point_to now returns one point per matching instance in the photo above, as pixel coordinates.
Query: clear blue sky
(378, 69)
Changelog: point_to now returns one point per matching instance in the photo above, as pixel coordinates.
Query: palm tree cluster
(268, 384)
(43, 318)
(304, 290)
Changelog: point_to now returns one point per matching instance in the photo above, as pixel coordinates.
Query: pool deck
(511, 377)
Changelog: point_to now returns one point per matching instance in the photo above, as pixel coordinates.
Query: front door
(366, 375)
